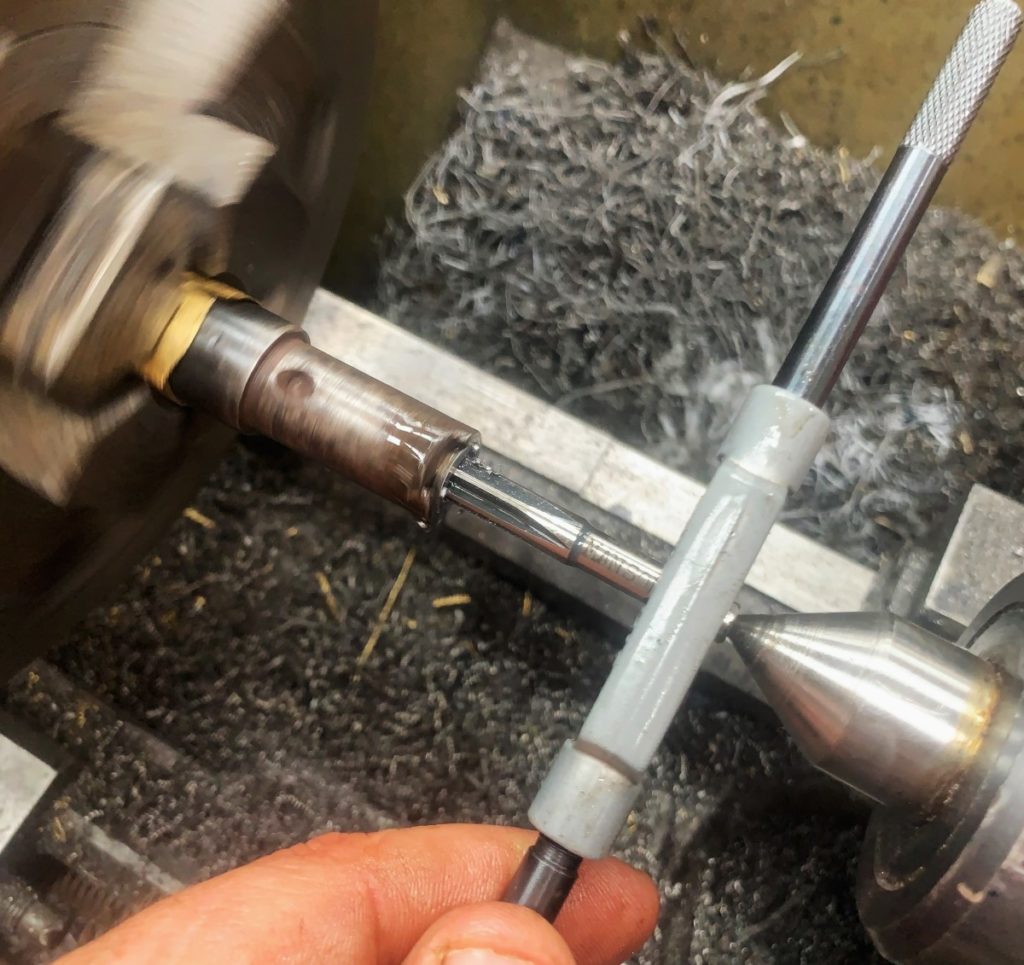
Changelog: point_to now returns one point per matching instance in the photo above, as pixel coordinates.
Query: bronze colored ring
(198, 296)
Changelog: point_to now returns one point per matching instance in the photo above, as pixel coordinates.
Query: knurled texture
(965, 78)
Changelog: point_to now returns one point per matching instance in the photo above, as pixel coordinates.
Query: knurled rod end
(963, 83)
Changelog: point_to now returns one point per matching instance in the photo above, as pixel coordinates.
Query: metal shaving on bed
(639, 242)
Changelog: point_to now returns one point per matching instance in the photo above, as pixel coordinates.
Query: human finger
(368, 898)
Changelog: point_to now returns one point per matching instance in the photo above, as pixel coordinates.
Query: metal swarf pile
(639, 244)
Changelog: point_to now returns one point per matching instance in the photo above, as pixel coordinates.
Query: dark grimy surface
(237, 645)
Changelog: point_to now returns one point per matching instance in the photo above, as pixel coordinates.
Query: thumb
(491, 934)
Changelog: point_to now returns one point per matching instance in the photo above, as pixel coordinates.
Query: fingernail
(481, 956)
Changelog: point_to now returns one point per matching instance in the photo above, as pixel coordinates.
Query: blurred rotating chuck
(934, 734)
(138, 139)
